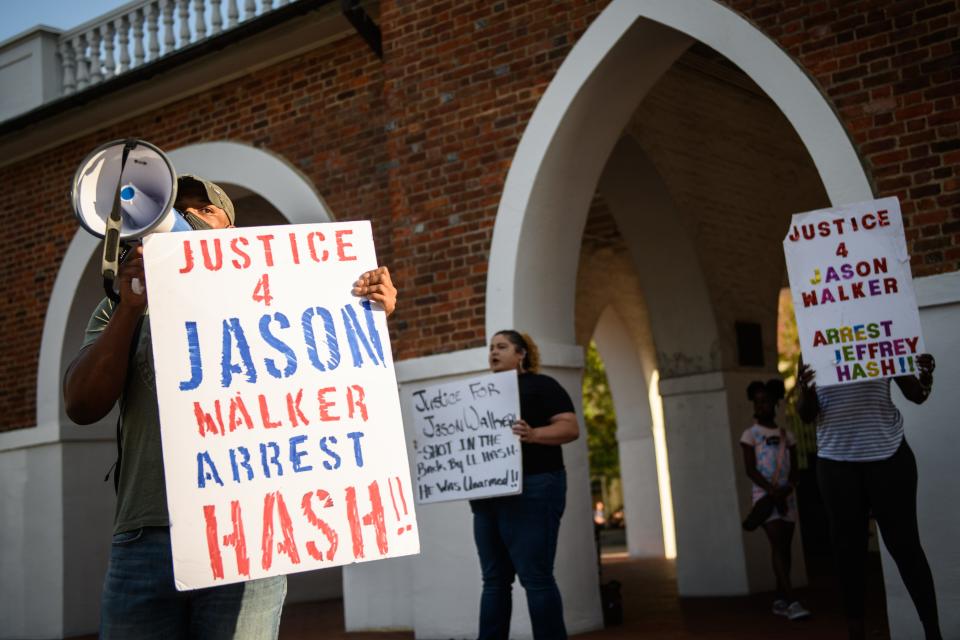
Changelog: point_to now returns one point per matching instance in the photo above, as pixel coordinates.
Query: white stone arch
(260, 171)
(648, 508)
(641, 205)
(269, 175)
(531, 282)
(53, 472)
(578, 120)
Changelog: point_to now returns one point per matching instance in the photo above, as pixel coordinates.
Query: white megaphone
(123, 191)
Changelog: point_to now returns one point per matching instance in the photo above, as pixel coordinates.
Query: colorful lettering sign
(283, 444)
(463, 439)
(853, 292)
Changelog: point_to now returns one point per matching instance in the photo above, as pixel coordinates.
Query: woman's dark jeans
(517, 536)
(887, 489)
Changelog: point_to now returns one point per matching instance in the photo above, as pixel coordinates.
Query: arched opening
(647, 502)
(265, 190)
(589, 147)
(701, 137)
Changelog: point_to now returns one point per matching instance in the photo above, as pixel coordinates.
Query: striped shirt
(858, 422)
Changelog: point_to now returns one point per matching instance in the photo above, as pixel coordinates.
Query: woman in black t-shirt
(517, 535)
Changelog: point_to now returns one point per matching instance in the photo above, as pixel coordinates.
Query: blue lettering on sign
(279, 345)
(354, 334)
(293, 452)
(357, 453)
(310, 339)
(203, 476)
(245, 463)
(333, 454)
(236, 357)
(296, 454)
(275, 458)
(193, 348)
(231, 326)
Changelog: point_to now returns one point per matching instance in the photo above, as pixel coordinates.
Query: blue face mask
(195, 222)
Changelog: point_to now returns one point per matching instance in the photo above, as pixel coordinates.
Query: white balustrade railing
(130, 36)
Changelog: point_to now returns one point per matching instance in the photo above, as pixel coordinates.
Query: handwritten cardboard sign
(463, 442)
(853, 292)
(283, 446)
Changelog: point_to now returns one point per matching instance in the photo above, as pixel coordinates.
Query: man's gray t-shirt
(141, 497)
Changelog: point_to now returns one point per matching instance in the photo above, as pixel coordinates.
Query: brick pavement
(652, 611)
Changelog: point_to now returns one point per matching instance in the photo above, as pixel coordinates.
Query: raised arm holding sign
(859, 328)
(233, 539)
(278, 403)
(853, 292)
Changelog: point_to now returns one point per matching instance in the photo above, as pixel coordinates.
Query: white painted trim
(474, 361)
(65, 286)
(264, 173)
(269, 175)
(645, 214)
(699, 383)
(941, 289)
(554, 355)
(556, 168)
(627, 381)
(442, 365)
(643, 455)
(781, 78)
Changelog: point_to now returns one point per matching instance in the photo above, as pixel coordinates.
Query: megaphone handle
(109, 290)
(111, 251)
(110, 265)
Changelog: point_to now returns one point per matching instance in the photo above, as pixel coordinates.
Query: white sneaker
(796, 611)
(780, 608)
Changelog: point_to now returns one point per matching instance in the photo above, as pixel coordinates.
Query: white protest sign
(464, 446)
(853, 292)
(283, 445)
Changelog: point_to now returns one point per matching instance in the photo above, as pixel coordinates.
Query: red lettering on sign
(288, 546)
(235, 539)
(240, 253)
(342, 245)
(373, 518)
(332, 538)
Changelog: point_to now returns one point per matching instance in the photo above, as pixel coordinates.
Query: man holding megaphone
(139, 598)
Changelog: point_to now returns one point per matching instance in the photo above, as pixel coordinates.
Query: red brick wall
(323, 111)
(421, 143)
(892, 70)
(462, 80)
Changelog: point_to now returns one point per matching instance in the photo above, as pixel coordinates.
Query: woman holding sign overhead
(517, 535)
(865, 467)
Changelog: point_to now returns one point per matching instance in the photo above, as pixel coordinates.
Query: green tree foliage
(600, 419)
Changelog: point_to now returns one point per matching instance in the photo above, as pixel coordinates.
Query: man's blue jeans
(517, 536)
(140, 601)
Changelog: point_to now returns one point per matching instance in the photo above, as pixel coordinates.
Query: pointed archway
(67, 507)
(558, 165)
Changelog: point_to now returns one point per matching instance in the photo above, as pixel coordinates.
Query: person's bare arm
(917, 388)
(563, 428)
(95, 378)
(377, 286)
(807, 404)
